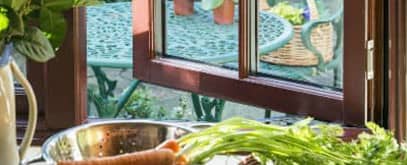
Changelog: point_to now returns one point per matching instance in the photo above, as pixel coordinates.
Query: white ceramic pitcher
(10, 154)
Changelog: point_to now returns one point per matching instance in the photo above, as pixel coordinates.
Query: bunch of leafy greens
(296, 144)
(294, 15)
(36, 28)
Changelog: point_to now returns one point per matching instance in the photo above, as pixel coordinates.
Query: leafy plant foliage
(294, 15)
(296, 144)
(35, 27)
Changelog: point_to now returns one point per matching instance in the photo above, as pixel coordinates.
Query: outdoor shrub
(140, 104)
(294, 15)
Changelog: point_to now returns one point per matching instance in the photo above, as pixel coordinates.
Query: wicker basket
(295, 53)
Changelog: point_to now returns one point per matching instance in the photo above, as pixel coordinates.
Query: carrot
(175, 147)
(181, 160)
(149, 157)
(170, 144)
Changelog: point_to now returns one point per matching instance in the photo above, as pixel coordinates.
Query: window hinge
(370, 59)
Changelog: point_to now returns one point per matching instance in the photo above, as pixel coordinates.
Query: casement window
(262, 59)
(242, 69)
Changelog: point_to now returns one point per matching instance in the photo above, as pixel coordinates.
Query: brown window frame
(397, 55)
(66, 75)
(60, 84)
(347, 108)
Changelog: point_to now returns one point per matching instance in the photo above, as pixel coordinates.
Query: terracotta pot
(264, 5)
(224, 15)
(10, 154)
(184, 7)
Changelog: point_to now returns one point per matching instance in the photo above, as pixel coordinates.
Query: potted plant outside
(184, 7)
(296, 52)
(223, 10)
(34, 29)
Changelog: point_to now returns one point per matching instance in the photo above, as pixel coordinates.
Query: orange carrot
(175, 147)
(181, 160)
(149, 157)
(170, 144)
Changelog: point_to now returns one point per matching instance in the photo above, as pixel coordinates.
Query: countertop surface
(35, 151)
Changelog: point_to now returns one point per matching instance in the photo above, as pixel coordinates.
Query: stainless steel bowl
(109, 138)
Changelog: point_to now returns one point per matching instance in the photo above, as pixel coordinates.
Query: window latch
(370, 60)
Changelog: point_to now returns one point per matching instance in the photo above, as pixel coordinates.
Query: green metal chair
(109, 46)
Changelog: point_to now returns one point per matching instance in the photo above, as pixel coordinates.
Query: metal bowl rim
(53, 138)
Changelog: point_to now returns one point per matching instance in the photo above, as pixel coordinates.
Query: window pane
(311, 49)
(206, 34)
(301, 41)
(109, 55)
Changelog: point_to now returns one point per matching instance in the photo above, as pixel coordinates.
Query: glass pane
(301, 41)
(109, 55)
(202, 33)
(109, 48)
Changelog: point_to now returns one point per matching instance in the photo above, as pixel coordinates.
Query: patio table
(194, 37)
(198, 38)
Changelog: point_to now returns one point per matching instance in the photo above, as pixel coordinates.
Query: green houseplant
(223, 10)
(34, 29)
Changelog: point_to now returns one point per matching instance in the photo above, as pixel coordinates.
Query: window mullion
(253, 15)
(245, 37)
(158, 27)
(248, 38)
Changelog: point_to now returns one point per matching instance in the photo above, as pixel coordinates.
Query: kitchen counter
(35, 151)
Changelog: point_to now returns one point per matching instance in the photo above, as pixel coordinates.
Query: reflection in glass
(202, 33)
(109, 55)
(312, 51)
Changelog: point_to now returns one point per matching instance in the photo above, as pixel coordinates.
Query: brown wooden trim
(144, 32)
(65, 99)
(282, 96)
(279, 95)
(21, 101)
(36, 75)
(376, 87)
(80, 65)
(60, 85)
(352, 133)
(397, 80)
(354, 63)
(42, 132)
(244, 57)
